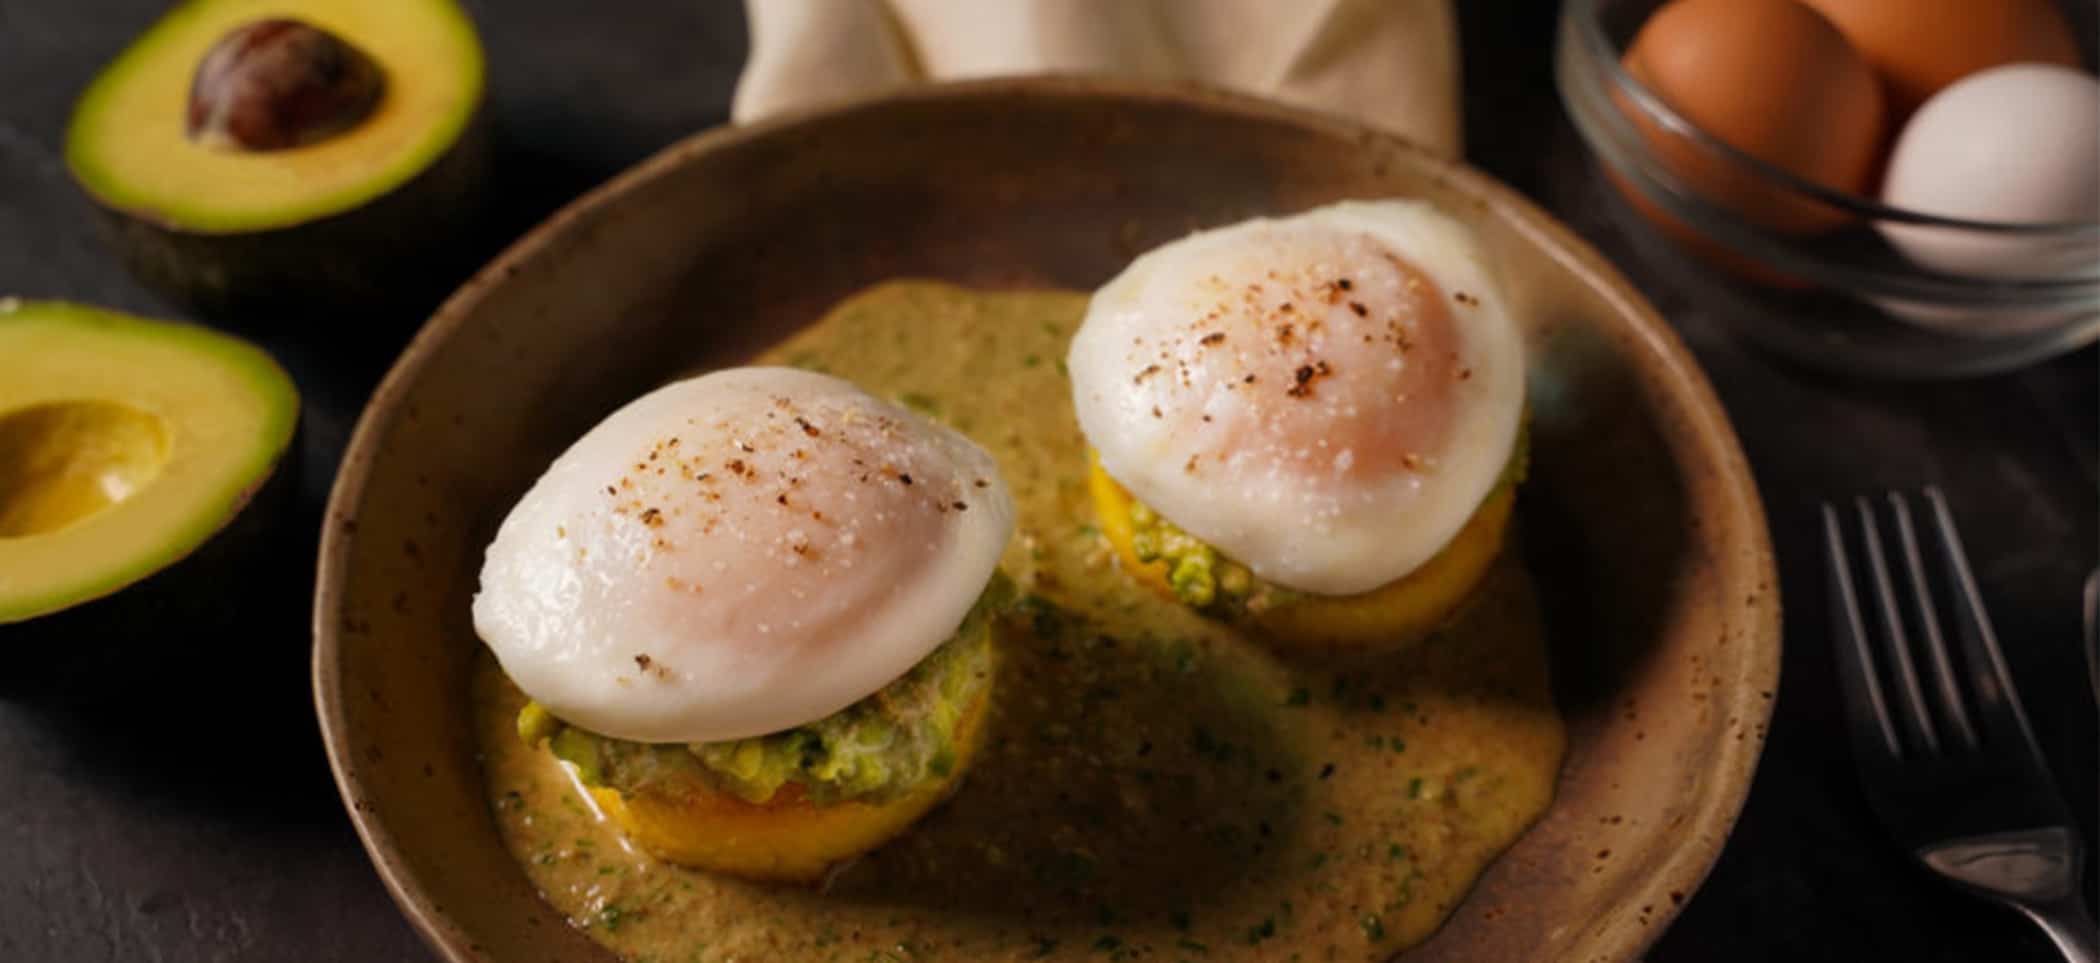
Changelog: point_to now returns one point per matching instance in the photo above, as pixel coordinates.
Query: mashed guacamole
(874, 750)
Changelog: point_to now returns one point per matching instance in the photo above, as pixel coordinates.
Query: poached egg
(1326, 398)
(737, 554)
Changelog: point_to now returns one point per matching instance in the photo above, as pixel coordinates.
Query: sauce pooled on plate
(1153, 786)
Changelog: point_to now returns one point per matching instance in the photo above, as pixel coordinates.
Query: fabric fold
(1392, 64)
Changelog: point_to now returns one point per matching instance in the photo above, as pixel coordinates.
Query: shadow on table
(191, 686)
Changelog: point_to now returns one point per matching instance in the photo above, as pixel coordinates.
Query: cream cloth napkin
(1390, 63)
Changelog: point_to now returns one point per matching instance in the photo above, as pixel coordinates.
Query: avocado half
(126, 446)
(351, 172)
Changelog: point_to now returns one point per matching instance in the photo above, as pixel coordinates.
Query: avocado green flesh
(1201, 577)
(902, 737)
(127, 444)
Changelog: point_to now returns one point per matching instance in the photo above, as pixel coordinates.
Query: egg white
(1284, 390)
(738, 554)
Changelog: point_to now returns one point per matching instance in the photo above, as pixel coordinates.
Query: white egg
(2018, 144)
(1326, 397)
(738, 554)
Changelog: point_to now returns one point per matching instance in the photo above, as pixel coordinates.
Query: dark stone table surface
(194, 819)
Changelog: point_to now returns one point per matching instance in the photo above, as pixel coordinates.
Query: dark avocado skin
(399, 252)
(188, 631)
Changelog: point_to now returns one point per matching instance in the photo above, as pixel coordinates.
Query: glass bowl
(1844, 299)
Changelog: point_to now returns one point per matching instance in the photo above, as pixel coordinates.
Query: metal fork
(1943, 747)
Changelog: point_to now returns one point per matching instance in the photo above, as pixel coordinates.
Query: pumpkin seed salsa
(1153, 785)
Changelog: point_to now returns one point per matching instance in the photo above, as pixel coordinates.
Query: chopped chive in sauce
(1261, 931)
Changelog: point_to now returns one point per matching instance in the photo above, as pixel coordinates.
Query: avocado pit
(73, 459)
(279, 83)
(293, 159)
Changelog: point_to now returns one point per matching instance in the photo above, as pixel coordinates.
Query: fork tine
(1916, 721)
(1996, 699)
(1928, 625)
(1866, 713)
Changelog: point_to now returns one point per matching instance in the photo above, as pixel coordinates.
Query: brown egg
(1920, 46)
(1770, 78)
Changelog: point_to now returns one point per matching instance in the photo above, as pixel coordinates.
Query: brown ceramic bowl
(1641, 519)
